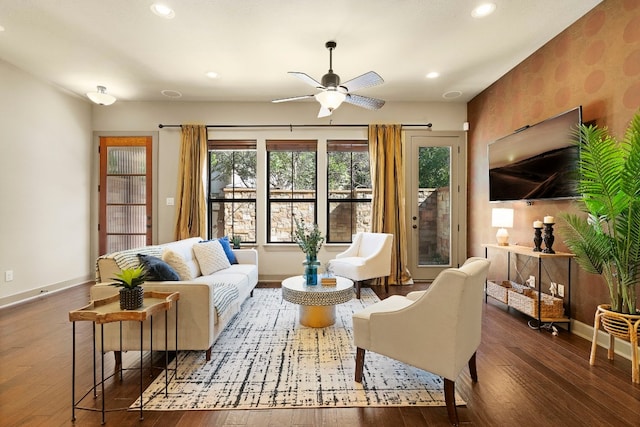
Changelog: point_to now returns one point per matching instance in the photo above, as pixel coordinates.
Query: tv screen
(536, 162)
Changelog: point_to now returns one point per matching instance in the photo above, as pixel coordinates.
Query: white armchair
(368, 257)
(437, 330)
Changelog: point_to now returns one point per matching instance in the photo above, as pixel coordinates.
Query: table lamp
(503, 219)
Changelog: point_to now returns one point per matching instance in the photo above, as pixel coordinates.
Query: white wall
(45, 142)
(276, 261)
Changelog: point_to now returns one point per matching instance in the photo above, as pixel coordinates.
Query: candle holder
(537, 239)
(548, 239)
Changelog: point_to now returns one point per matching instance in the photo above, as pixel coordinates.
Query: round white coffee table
(317, 303)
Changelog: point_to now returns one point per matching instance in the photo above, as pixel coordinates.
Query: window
(291, 169)
(349, 185)
(232, 189)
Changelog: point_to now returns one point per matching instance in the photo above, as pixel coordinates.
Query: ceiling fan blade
(324, 112)
(293, 98)
(364, 101)
(366, 80)
(307, 79)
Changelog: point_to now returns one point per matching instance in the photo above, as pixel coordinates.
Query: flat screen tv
(536, 162)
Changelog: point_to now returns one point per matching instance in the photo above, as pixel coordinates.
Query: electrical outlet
(560, 290)
(532, 281)
(8, 275)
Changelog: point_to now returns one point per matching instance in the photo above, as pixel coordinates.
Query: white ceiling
(78, 44)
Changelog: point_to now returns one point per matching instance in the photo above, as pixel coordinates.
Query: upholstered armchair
(368, 257)
(437, 330)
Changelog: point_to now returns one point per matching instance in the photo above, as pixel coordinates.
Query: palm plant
(607, 240)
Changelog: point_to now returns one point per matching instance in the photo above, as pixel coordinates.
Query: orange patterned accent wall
(594, 63)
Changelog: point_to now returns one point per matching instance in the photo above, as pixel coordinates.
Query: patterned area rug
(266, 359)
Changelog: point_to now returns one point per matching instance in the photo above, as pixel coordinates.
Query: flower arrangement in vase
(310, 240)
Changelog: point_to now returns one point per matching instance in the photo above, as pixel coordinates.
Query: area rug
(265, 359)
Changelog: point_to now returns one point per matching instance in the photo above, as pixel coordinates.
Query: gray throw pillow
(157, 269)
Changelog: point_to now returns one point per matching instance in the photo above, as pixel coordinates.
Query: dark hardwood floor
(526, 378)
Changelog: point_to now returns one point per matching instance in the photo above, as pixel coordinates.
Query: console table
(540, 257)
(108, 310)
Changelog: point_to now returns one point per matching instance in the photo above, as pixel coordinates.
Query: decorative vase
(311, 265)
(131, 299)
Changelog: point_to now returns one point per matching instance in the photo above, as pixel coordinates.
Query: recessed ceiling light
(483, 10)
(211, 74)
(171, 93)
(433, 75)
(162, 10)
(452, 94)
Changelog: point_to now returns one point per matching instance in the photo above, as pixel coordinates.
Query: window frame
(289, 145)
(230, 145)
(344, 145)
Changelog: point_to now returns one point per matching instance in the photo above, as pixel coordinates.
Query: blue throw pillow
(224, 241)
(157, 269)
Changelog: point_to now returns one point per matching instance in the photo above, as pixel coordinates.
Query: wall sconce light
(503, 219)
(101, 97)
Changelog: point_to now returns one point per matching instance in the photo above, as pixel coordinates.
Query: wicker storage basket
(527, 302)
(498, 290)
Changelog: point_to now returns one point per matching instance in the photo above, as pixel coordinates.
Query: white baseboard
(43, 291)
(622, 348)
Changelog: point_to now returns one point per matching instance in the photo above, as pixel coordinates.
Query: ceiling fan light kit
(101, 97)
(333, 94)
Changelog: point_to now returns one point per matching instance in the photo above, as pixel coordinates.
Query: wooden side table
(108, 310)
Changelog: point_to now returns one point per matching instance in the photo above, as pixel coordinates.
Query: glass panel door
(125, 193)
(436, 204)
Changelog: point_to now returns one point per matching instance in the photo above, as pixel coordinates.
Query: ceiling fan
(332, 94)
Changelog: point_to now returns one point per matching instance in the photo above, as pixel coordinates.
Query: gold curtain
(388, 204)
(191, 211)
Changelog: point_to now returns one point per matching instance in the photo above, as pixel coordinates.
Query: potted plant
(310, 240)
(132, 293)
(606, 239)
(236, 240)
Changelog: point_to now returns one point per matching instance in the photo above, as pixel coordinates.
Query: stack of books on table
(328, 281)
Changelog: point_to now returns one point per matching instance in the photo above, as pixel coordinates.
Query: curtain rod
(291, 126)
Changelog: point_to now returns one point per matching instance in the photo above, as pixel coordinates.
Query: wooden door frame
(95, 198)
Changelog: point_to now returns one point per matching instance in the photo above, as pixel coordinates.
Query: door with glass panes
(436, 204)
(125, 193)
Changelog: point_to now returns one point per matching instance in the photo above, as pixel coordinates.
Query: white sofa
(207, 303)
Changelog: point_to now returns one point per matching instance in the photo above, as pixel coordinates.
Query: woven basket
(498, 290)
(527, 302)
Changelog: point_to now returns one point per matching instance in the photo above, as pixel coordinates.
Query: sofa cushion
(211, 257)
(226, 245)
(158, 270)
(186, 269)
